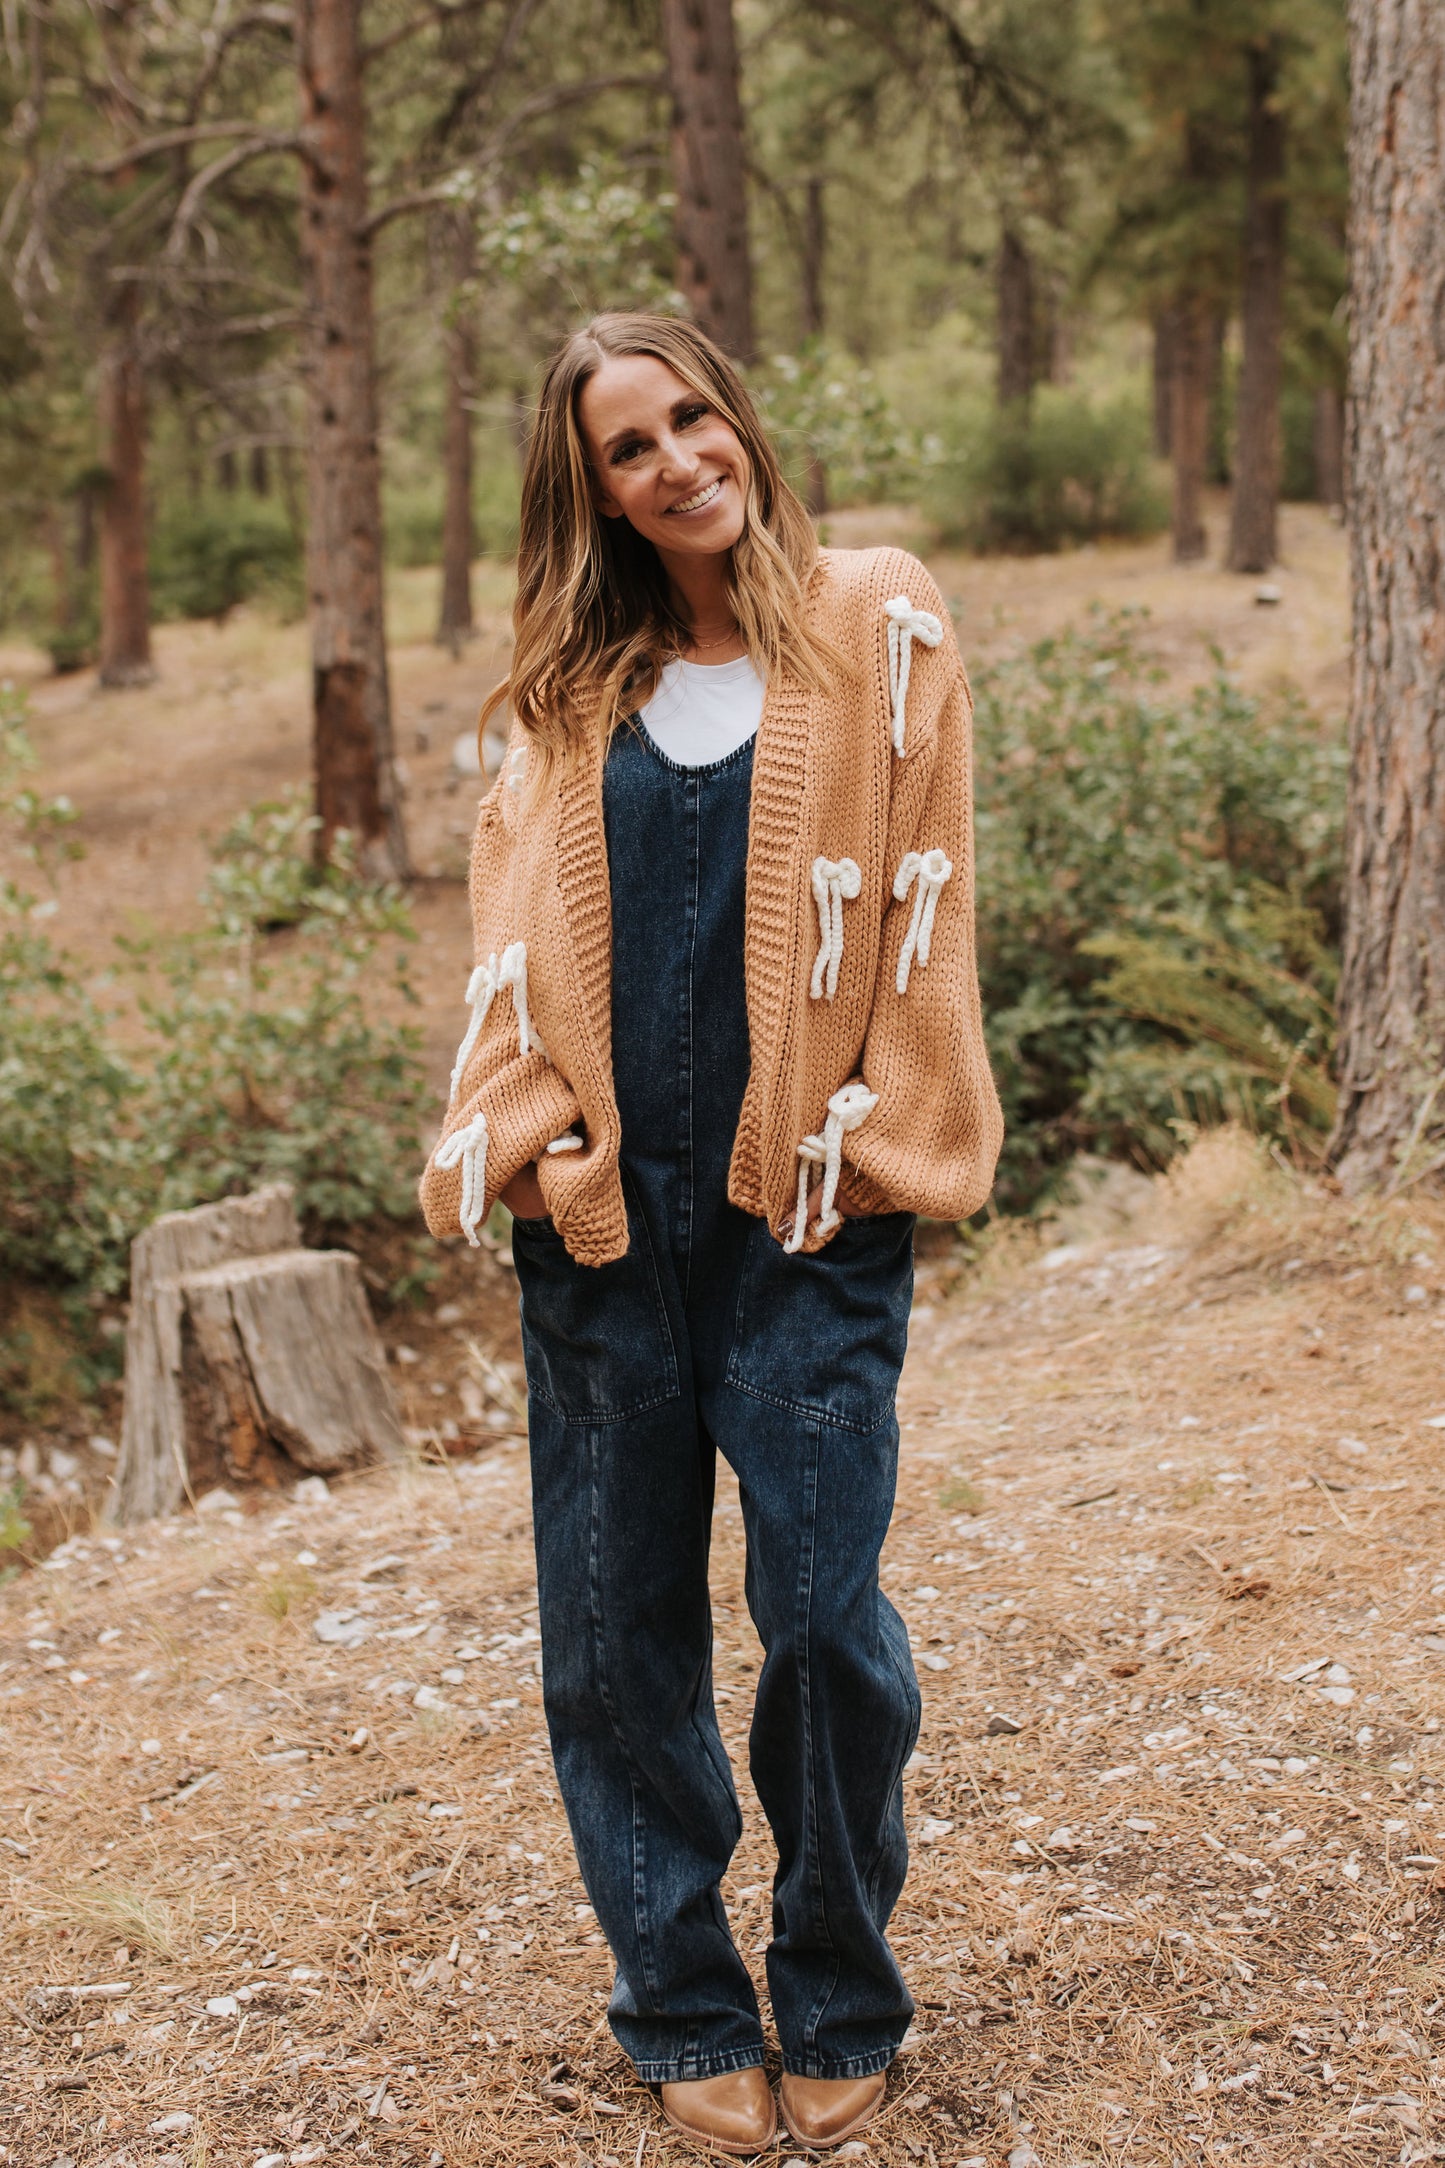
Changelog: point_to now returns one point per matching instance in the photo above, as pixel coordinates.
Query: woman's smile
(700, 498)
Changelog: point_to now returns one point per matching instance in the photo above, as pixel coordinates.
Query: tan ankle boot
(822, 2112)
(729, 2114)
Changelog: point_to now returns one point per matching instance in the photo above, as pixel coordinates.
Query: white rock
(307, 1558)
(1268, 594)
(312, 1490)
(1023, 2156)
(306, 1972)
(1341, 1696)
(379, 1568)
(223, 2006)
(176, 2122)
(63, 1465)
(218, 1501)
(341, 1629)
(427, 1697)
(150, 1746)
(933, 1829)
(454, 1675)
(104, 1446)
(270, 2160)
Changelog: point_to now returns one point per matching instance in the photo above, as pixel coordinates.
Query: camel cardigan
(868, 1058)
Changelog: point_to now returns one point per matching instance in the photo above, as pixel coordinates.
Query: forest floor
(287, 1878)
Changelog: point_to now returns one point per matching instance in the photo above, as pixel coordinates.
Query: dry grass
(1162, 1468)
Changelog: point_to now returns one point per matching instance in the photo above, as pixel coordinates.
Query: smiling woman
(656, 524)
(725, 1042)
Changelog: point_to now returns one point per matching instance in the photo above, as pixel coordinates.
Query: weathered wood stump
(247, 1357)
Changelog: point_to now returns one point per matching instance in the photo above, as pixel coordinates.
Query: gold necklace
(704, 645)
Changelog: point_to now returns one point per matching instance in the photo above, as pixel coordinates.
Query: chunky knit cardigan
(869, 1068)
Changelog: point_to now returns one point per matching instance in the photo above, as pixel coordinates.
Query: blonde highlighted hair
(594, 613)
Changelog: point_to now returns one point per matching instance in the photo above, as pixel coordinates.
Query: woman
(725, 876)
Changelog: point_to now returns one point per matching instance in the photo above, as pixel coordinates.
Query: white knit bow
(833, 879)
(469, 1146)
(849, 1106)
(930, 869)
(905, 625)
(485, 983)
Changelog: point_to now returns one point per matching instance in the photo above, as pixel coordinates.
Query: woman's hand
(815, 1206)
(523, 1195)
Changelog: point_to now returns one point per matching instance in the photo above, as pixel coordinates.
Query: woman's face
(663, 458)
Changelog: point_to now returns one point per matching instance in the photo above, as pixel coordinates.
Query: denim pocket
(596, 1338)
(826, 1334)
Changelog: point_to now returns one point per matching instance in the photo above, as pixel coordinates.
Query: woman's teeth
(702, 497)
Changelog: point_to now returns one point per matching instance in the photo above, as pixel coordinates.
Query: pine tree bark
(714, 270)
(1016, 329)
(815, 243)
(1189, 423)
(1392, 987)
(1163, 385)
(354, 771)
(1328, 432)
(456, 623)
(125, 607)
(1258, 453)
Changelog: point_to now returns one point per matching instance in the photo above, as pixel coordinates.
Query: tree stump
(247, 1357)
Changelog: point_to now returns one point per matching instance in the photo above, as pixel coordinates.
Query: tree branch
(175, 139)
(546, 101)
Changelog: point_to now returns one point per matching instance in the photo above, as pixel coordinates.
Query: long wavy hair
(594, 613)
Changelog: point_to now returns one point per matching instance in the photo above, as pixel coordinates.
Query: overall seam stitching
(604, 1687)
(810, 1811)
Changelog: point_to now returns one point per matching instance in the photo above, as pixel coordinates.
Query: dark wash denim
(705, 1337)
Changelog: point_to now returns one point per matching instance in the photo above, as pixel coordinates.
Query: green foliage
(1158, 882)
(1056, 470)
(206, 558)
(822, 405)
(597, 240)
(261, 1060)
(15, 1530)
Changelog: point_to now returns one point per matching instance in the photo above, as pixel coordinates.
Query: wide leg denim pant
(707, 1338)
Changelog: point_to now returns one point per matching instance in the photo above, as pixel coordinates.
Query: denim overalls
(706, 1337)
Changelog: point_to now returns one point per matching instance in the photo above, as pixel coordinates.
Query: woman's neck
(700, 597)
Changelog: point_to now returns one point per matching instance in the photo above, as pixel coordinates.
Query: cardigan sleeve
(506, 1102)
(931, 1143)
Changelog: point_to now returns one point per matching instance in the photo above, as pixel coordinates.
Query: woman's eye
(624, 452)
(689, 415)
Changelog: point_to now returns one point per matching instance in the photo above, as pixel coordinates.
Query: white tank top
(701, 711)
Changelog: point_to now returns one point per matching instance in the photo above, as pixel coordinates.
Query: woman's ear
(606, 505)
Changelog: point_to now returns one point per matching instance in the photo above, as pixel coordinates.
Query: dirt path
(288, 1879)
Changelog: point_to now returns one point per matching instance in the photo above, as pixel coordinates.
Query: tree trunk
(125, 603)
(1258, 452)
(1165, 325)
(1392, 987)
(246, 1358)
(815, 242)
(456, 624)
(1329, 446)
(815, 248)
(1015, 332)
(714, 271)
(355, 776)
(260, 471)
(1189, 424)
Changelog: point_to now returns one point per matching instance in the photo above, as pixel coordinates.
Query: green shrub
(207, 558)
(823, 405)
(262, 1058)
(1120, 829)
(1033, 477)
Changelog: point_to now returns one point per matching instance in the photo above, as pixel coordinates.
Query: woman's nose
(679, 462)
